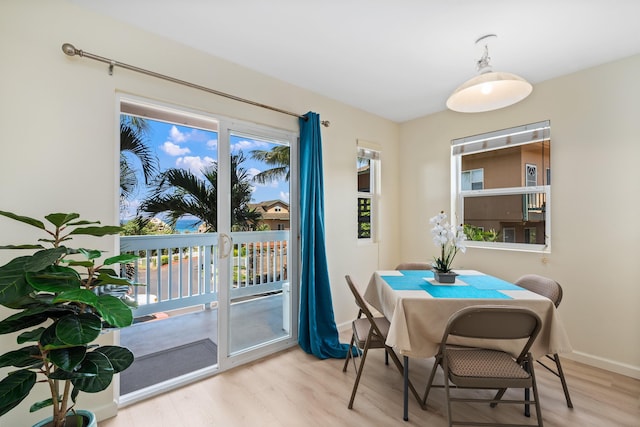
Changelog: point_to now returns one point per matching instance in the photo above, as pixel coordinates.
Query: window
(367, 167)
(500, 197)
(472, 180)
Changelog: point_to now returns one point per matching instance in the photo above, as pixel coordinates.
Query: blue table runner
(479, 286)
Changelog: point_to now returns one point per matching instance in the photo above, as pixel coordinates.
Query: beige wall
(595, 135)
(60, 141)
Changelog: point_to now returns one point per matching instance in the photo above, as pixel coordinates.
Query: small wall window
(500, 197)
(368, 172)
(472, 180)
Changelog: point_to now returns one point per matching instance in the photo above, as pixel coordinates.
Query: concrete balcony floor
(253, 321)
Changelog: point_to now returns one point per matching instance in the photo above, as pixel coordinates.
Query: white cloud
(212, 144)
(194, 163)
(284, 196)
(252, 172)
(174, 150)
(176, 136)
(246, 145)
(128, 209)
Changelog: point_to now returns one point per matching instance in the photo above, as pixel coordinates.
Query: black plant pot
(441, 277)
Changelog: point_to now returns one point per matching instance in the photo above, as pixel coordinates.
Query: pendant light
(489, 90)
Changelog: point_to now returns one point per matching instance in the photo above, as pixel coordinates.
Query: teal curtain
(318, 334)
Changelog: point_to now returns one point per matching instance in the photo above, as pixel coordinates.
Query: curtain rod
(70, 50)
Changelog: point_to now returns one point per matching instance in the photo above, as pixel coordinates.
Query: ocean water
(186, 226)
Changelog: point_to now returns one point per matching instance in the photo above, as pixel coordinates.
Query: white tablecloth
(418, 319)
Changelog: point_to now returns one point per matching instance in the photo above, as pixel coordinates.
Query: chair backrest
(496, 322)
(414, 266)
(362, 305)
(542, 286)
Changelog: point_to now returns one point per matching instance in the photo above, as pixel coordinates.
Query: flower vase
(444, 277)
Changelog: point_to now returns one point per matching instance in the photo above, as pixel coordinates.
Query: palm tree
(279, 158)
(180, 193)
(133, 132)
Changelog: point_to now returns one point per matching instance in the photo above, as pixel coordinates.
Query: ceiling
(398, 59)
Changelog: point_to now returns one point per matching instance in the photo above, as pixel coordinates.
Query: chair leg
(349, 354)
(358, 375)
(386, 357)
(534, 385)
(432, 376)
(556, 358)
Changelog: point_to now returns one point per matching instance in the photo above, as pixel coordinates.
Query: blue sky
(184, 147)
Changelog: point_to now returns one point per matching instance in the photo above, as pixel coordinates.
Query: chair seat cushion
(485, 368)
(361, 329)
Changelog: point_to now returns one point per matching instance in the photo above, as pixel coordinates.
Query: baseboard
(105, 411)
(606, 364)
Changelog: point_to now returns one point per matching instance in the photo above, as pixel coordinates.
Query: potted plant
(450, 239)
(65, 299)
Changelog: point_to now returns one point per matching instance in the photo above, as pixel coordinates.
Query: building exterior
(275, 214)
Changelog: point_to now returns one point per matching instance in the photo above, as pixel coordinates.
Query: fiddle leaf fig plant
(65, 298)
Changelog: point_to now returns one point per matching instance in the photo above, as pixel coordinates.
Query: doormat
(167, 364)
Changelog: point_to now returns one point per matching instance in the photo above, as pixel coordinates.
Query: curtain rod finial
(69, 49)
(325, 123)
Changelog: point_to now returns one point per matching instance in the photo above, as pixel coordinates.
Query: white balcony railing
(181, 270)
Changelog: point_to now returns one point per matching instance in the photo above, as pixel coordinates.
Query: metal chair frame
(495, 323)
(375, 328)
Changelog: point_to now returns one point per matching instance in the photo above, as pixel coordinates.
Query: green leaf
(97, 231)
(13, 285)
(61, 374)
(60, 219)
(30, 335)
(121, 259)
(25, 219)
(67, 358)
(44, 258)
(90, 253)
(49, 340)
(115, 312)
(74, 263)
(83, 296)
(98, 363)
(27, 246)
(83, 222)
(78, 329)
(107, 279)
(24, 319)
(21, 358)
(42, 404)
(121, 358)
(14, 388)
(54, 279)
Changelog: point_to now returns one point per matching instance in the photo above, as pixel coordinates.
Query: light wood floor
(293, 388)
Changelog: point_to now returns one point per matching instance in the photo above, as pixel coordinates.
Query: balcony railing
(181, 270)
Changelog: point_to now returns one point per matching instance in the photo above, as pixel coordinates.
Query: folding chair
(551, 289)
(369, 332)
(414, 266)
(468, 367)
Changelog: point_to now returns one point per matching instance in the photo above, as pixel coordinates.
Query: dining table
(418, 309)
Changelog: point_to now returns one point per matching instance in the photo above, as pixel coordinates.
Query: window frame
(371, 152)
(493, 141)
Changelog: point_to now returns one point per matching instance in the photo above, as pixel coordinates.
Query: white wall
(60, 136)
(595, 134)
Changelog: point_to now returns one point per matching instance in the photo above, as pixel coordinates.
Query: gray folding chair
(551, 289)
(369, 332)
(481, 368)
(414, 266)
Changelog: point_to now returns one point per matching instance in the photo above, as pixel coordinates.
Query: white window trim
(372, 151)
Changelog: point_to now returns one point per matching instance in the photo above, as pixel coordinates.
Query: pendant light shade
(489, 90)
